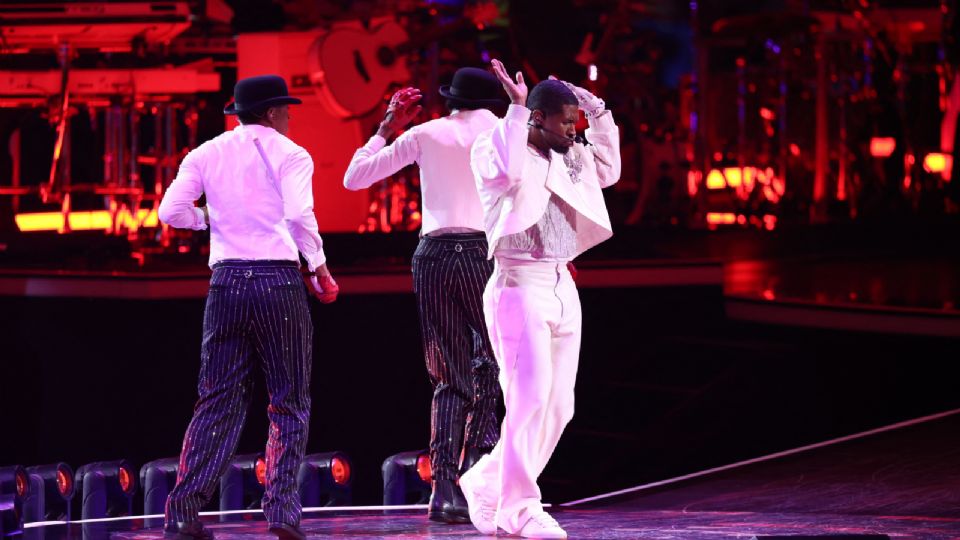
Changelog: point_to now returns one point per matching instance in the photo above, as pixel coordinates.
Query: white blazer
(515, 182)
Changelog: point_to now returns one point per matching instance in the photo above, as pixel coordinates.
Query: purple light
(772, 46)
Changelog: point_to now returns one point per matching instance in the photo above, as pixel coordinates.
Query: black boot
(447, 503)
(285, 531)
(188, 530)
(471, 456)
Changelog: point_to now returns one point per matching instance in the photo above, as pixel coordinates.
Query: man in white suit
(540, 190)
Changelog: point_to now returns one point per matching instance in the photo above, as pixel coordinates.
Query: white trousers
(532, 311)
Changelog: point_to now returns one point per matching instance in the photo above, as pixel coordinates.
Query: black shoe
(471, 456)
(287, 532)
(447, 504)
(186, 530)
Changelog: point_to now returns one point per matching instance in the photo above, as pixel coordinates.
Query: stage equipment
(157, 478)
(406, 478)
(744, 160)
(802, 92)
(325, 480)
(353, 68)
(58, 489)
(937, 163)
(106, 488)
(11, 526)
(882, 147)
(107, 27)
(121, 100)
(33, 504)
(14, 481)
(241, 486)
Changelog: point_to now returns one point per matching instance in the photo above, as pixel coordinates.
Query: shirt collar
(471, 112)
(256, 129)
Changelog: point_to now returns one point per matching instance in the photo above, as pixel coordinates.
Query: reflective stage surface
(902, 483)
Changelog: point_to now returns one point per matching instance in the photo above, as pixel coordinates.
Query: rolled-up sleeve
(296, 180)
(178, 206)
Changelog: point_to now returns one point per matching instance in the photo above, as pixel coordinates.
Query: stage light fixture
(106, 488)
(32, 506)
(241, 486)
(11, 524)
(14, 481)
(325, 480)
(406, 478)
(57, 486)
(82, 220)
(157, 478)
(937, 163)
(882, 146)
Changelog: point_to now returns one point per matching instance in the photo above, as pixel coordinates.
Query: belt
(242, 263)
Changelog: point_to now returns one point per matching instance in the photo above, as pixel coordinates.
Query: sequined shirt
(552, 238)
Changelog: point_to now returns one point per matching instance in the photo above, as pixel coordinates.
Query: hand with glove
(322, 285)
(591, 105)
(403, 108)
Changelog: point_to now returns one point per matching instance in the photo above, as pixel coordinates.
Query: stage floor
(903, 482)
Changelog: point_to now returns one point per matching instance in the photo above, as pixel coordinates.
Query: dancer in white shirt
(259, 190)
(542, 208)
(450, 269)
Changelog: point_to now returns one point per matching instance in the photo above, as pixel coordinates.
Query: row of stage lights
(107, 488)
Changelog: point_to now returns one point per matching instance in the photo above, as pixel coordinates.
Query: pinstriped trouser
(449, 275)
(256, 313)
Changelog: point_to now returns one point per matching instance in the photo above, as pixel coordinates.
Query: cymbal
(764, 25)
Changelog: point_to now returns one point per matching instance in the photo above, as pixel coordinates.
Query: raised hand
(403, 108)
(590, 104)
(517, 90)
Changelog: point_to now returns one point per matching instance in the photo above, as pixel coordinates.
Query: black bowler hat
(473, 86)
(259, 92)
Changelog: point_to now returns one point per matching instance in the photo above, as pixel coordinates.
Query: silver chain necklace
(574, 165)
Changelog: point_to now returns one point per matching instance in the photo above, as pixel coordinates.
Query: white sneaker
(542, 525)
(482, 511)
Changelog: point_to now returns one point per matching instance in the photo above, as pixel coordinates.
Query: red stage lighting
(56, 480)
(65, 482)
(936, 162)
(260, 469)
(406, 478)
(106, 488)
(23, 486)
(882, 146)
(14, 481)
(324, 480)
(423, 467)
(126, 479)
(340, 470)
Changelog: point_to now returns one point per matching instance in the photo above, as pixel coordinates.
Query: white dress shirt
(517, 184)
(441, 147)
(255, 213)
